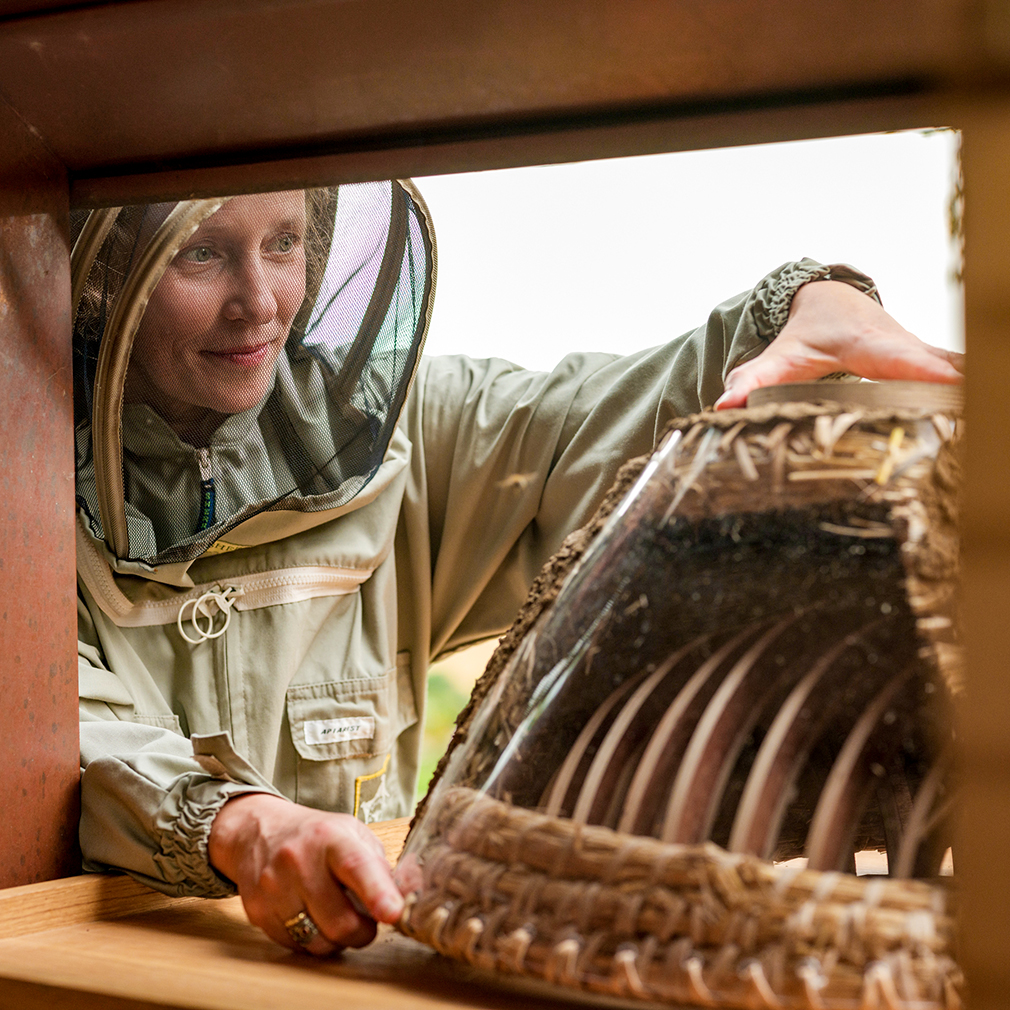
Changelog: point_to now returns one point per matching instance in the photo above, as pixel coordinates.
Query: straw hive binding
(524, 857)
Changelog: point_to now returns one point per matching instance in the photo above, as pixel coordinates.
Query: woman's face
(220, 315)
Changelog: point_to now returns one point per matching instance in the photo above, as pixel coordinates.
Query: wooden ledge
(95, 897)
(102, 942)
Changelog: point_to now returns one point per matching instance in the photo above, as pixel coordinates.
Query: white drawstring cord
(224, 598)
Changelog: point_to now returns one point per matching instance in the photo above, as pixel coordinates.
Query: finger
(350, 929)
(373, 840)
(906, 358)
(319, 945)
(903, 360)
(265, 914)
(955, 358)
(283, 894)
(363, 870)
(768, 369)
(334, 913)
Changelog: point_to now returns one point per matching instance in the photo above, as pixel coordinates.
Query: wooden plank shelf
(109, 943)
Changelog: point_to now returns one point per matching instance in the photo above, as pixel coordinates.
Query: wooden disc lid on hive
(752, 645)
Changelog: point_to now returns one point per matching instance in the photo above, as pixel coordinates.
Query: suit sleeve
(509, 461)
(147, 799)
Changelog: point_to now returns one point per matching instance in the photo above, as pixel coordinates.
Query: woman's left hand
(834, 327)
(287, 859)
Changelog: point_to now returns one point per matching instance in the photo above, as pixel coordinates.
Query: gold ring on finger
(302, 928)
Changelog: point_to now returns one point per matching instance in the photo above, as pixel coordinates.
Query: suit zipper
(206, 519)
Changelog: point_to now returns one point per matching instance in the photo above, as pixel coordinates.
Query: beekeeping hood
(321, 421)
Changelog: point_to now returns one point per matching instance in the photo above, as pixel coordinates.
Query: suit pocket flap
(164, 721)
(343, 718)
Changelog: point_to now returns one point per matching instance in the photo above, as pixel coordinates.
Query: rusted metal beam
(39, 745)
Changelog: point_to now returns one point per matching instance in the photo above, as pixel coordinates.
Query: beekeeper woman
(285, 513)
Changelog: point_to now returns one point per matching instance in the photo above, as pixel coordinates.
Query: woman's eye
(284, 243)
(197, 254)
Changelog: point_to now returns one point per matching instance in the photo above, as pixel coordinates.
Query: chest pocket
(345, 729)
(342, 719)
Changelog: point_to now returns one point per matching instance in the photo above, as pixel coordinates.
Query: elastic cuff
(184, 857)
(772, 313)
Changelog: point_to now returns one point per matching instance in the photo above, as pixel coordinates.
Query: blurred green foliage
(445, 701)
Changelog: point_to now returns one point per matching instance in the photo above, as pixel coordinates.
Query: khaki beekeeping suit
(261, 593)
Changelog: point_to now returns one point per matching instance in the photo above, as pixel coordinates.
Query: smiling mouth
(242, 355)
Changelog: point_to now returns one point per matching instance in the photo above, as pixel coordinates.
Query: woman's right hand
(285, 859)
(834, 327)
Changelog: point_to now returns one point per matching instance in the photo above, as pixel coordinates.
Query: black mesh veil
(238, 356)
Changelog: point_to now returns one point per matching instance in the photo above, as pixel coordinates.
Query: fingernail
(388, 908)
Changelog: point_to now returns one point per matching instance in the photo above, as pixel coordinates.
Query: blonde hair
(320, 212)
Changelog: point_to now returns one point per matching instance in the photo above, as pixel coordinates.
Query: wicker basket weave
(510, 889)
(515, 891)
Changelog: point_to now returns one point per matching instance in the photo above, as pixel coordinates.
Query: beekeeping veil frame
(312, 443)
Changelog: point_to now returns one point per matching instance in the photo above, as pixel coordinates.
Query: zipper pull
(206, 519)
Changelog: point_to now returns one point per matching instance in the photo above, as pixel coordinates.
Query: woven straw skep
(511, 890)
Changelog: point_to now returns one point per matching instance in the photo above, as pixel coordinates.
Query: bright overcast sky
(621, 254)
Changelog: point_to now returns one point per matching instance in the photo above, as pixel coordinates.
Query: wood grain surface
(155, 99)
(109, 943)
(983, 846)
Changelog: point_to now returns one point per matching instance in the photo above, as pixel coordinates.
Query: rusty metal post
(39, 761)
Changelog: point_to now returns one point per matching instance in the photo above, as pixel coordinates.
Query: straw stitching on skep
(512, 890)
